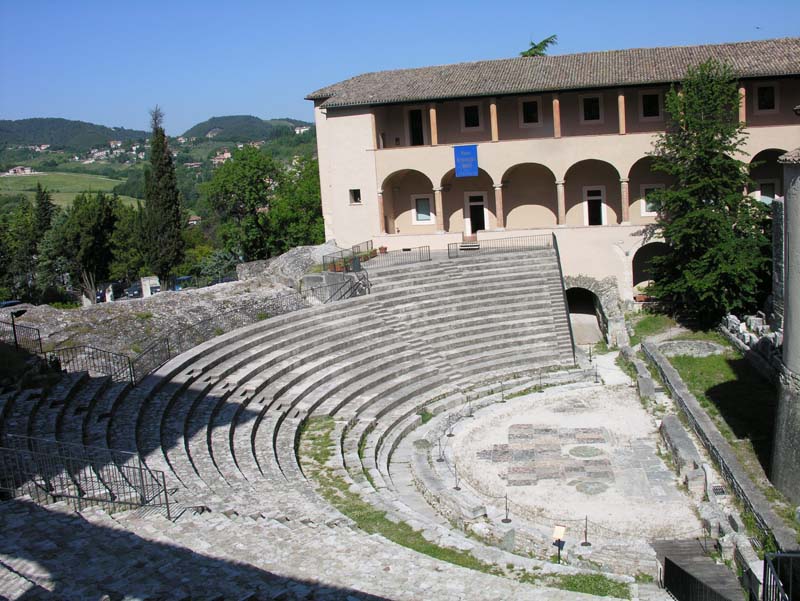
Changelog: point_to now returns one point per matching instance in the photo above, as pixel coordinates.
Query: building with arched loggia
(511, 147)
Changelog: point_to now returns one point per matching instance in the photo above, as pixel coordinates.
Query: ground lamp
(558, 539)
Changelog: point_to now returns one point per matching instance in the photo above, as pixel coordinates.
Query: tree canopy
(540, 48)
(719, 249)
(162, 220)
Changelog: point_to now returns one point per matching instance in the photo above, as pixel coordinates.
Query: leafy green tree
(127, 262)
(84, 240)
(162, 221)
(21, 239)
(45, 209)
(295, 215)
(540, 48)
(242, 190)
(719, 251)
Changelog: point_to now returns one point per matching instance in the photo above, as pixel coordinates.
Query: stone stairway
(223, 419)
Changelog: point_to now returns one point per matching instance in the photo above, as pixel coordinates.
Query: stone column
(742, 104)
(556, 117)
(493, 119)
(621, 111)
(498, 203)
(624, 197)
(381, 214)
(439, 208)
(562, 203)
(434, 126)
(786, 445)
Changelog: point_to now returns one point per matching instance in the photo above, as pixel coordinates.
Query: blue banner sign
(466, 160)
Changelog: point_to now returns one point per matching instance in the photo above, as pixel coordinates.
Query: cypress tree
(719, 252)
(162, 223)
(44, 210)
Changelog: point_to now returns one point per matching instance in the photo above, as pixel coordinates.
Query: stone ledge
(722, 453)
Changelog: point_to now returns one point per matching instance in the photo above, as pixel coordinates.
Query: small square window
(765, 98)
(591, 109)
(530, 112)
(422, 210)
(472, 116)
(651, 106)
(767, 191)
(355, 197)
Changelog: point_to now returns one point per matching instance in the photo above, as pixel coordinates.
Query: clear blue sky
(109, 62)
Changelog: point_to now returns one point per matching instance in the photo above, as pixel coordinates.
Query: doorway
(594, 201)
(474, 213)
(416, 132)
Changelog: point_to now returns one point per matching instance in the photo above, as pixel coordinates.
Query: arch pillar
(439, 208)
(381, 214)
(562, 202)
(498, 203)
(624, 197)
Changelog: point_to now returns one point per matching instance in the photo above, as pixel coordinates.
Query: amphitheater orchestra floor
(587, 452)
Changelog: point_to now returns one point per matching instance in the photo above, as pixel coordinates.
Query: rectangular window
(471, 116)
(355, 197)
(766, 98)
(649, 208)
(529, 112)
(591, 109)
(421, 210)
(768, 190)
(650, 106)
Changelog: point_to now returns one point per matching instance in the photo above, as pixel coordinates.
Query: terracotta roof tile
(638, 66)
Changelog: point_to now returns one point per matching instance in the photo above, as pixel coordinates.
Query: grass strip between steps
(315, 451)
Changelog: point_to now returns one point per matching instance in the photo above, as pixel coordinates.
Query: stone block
(696, 483)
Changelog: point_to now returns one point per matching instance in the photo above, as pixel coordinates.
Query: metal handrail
(564, 297)
(501, 245)
(777, 580)
(93, 359)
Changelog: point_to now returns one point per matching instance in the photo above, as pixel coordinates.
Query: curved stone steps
(69, 420)
(96, 419)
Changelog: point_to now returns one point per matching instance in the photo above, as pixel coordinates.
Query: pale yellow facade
(557, 174)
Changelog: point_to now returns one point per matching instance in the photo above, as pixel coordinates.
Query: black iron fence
(353, 260)
(501, 245)
(49, 471)
(781, 577)
(22, 337)
(93, 360)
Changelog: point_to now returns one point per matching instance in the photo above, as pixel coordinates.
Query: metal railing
(24, 337)
(49, 470)
(501, 245)
(94, 360)
(781, 577)
(351, 260)
(564, 297)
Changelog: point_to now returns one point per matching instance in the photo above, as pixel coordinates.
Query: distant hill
(63, 133)
(242, 128)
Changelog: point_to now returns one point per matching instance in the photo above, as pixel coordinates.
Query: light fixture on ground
(14, 315)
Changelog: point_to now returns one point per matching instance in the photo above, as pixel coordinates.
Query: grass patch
(650, 324)
(592, 584)
(642, 578)
(626, 366)
(601, 348)
(425, 415)
(316, 449)
(143, 315)
(66, 305)
(733, 393)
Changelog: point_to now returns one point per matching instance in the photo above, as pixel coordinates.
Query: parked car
(100, 296)
(135, 291)
(183, 282)
(9, 303)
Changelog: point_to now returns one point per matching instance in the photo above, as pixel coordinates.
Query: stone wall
(253, 270)
(721, 452)
(607, 293)
(776, 315)
(760, 346)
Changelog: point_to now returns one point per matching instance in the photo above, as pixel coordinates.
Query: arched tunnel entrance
(589, 324)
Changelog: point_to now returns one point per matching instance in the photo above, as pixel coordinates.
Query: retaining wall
(721, 452)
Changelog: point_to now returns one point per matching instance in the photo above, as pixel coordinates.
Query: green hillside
(63, 186)
(242, 128)
(63, 133)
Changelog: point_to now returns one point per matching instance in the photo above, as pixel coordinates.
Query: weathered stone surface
(691, 348)
(608, 295)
